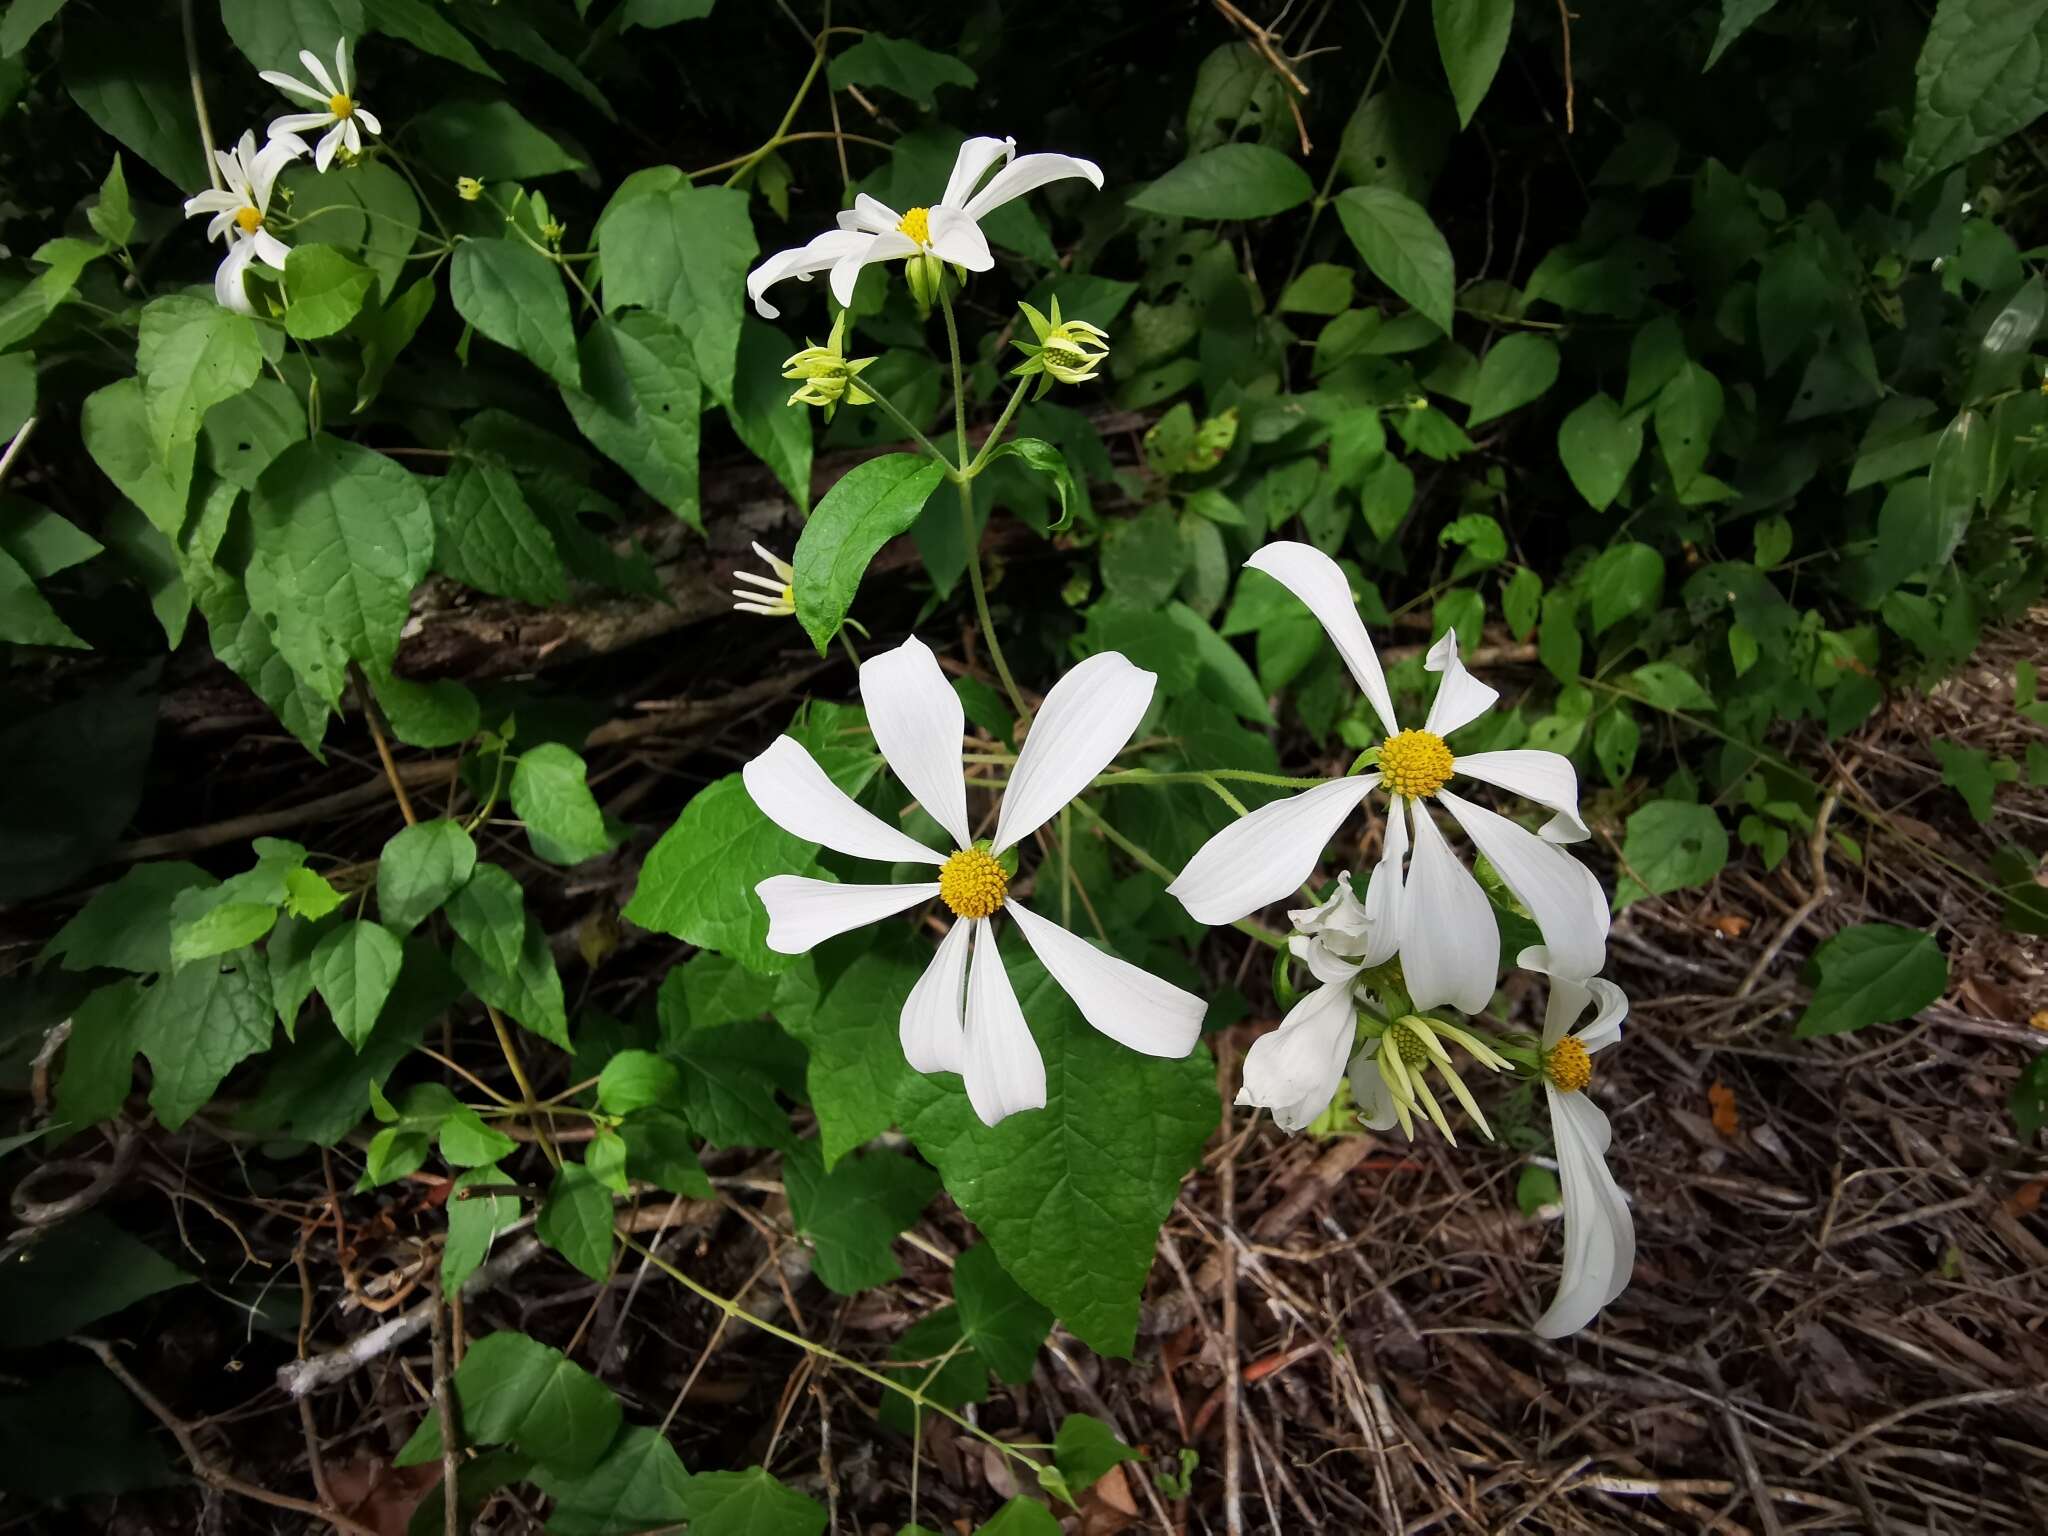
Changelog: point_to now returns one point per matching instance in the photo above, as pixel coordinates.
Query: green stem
(959, 377)
(795, 104)
(1243, 925)
(903, 421)
(996, 436)
(1237, 775)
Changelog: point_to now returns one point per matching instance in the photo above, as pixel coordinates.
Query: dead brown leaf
(1722, 1100)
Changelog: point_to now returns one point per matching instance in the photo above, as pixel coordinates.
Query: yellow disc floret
(917, 224)
(1568, 1066)
(972, 883)
(340, 105)
(1408, 1042)
(1415, 764)
(249, 220)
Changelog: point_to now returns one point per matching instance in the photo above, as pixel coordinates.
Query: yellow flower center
(1408, 1045)
(972, 883)
(249, 220)
(1415, 764)
(340, 105)
(1568, 1066)
(917, 224)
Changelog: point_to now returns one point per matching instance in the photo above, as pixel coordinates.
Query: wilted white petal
(1323, 963)
(1085, 721)
(228, 291)
(792, 791)
(1561, 893)
(1547, 778)
(846, 271)
(1599, 1232)
(1321, 585)
(957, 238)
(1383, 895)
(1340, 922)
(1295, 1070)
(930, 1026)
(1450, 947)
(1569, 1000)
(1026, 174)
(1460, 698)
(801, 261)
(1131, 1006)
(971, 164)
(918, 722)
(1000, 1060)
(803, 912)
(1370, 1093)
(264, 164)
(1260, 858)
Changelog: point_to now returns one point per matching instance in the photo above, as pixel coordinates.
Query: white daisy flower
(948, 230)
(1295, 1070)
(1427, 907)
(963, 1015)
(776, 597)
(1599, 1232)
(341, 114)
(239, 208)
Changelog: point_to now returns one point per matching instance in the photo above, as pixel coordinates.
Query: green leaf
(853, 1214)
(1323, 289)
(1397, 137)
(563, 821)
(340, 535)
(1956, 482)
(1232, 181)
(197, 1024)
(24, 19)
(683, 252)
(1100, 1164)
(220, 929)
(191, 355)
(488, 140)
(1472, 35)
(856, 1067)
(387, 332)
(749, 1503)
(112, 216)
(1666, 685)
(1626, 580)
(1520, 368)
(1086, 1448)
(513, 295)
(421, 23)
(640, 1485)
(1616, 738)
(576, 1220)
(419, 869)
(1536, 1188)
(354, 969)
(126, 925)
(643, 405)
(2029, 1100)
(1050, 462)
(244, 434)
(636, 1080)
(1143, 557)
(1021, 1517)
(116, 431)
(774, 432)
(33, 302)
(1737, 17)
(895, 64)
(1672, 845)
(99, 1058)
(368, 208)
(323, 291)
(661, 13)
(1874, 973)
(1519, 601)
(131, 81)
(660, 1149)
(512, 1390)
(270, 33)
(1688, 410)
(487, 537)
(1403, 247)
(308, 895)
(1979, 81)
(81, 1271)
(1969, 771)
(25, 617)
(504, 956)
(997, 1315)
(473, 1225)
(871, 504)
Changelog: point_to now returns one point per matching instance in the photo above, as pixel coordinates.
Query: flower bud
(1069, 351)
(468, 188)
(825, 375)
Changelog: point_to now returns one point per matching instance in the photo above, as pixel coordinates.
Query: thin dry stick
(1817, 856)
(444, 1406)
(14, 446)
(203, 1466)
(1570, 107)
(313, 1458)
(384, 750)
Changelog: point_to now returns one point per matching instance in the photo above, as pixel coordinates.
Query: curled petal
(846, 271)
(1002, 1067)
(1321, 585)
(930, 1026)
(971, 164)
(1568, 1002)
(228, 291)
(1370, 1093)
(1547, 778)
(318, 71)
(872, 215)
(369, 120)
(270, 250)
(1131, 1006)
(1450, 945)
(800, 262)
(1026, 174)
(1561, 893)
(958, 239)
(803, 913)
(1262, 857)
(792, 791)
(1086, 720)
(1460, 698)
(292, 124)
(330, 141)
(1599, 1231)
(1294, 1071)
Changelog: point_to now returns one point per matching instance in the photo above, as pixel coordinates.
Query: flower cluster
(240, 207)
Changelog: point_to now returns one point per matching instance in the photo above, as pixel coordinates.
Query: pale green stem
(903, 421)
(1243, 925)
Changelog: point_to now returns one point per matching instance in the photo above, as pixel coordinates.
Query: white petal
(803, 912)
(323, 155)
(971, 164)
(292, 124)
(1560, 892)
(1026, 174)
(958, 239)
(368, 119)
(792, 791)
(1568, 1000)
(1450, 947)
(1004, 1072)
(1460, 698)
(1370, 1093)
(1605, 1030)
(1131, 1006)
(801, 261)
(1599, 1232)
(1321, 584)
(270, 250)
(215, 201)
(318, 71)
(1322, 962)
(1086, 720)
(872, 215)
(1265, 856)
(918, 723)
(352, 136)
(1295, 1070)
(930, 1026)
(222, 224)
(1547, 778)
(228, 291)
(846, 271)
(341, 63)
(295, 87)
(267, 162)
(1383, 897)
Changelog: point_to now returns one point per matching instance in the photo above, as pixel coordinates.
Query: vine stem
(732, 1309)
(748, 162)
(1243, 925)
(903, 421)
(199, 95)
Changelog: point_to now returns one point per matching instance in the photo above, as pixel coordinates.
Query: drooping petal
(1323, 963)
(846, 271)
(1131, 1006)
(1561, 893)
(1265, 856)
(792, 791)
(1599, 1231)
(222, 225)
(803, 912)
(270, 250)
(958, 239)
(872, 215)
(1383, 896)
(330, 141)
(1321, 585)
(1025, 174)
(1605, 1030)
(318, 71)
(1547, 778)
(971, 164)
(1000, 1061)
(1294, 1071)
(296, 87)
(292, 124)
(228, 291)
(918, 723)
(368, 119)
(800, 262)
(1085, 721)
(1370, 1093)
(930, 1026)
(1460, 698)
(1569, 999)
(1450, 946)
(265, 163)
(215, 201)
